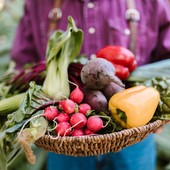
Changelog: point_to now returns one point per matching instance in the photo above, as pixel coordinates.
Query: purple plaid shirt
(103, 23)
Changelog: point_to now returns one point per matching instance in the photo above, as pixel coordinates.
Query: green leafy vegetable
(62, 49)
(149, 71)
(34, 101)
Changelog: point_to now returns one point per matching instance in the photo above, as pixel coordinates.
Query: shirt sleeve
(24, 50)
(162, 50)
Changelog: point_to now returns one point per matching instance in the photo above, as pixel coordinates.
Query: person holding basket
(141, 26)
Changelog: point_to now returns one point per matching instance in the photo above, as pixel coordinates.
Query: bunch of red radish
(71, 116)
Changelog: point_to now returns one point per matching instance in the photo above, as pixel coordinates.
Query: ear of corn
(11, 104)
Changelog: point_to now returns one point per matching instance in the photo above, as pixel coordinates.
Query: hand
(161, 128)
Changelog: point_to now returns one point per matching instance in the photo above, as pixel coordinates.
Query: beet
(111, 89)
(96, 100)
(97, 73)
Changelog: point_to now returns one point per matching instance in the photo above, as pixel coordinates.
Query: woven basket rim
(93, 145)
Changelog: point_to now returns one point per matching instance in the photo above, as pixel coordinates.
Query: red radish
(50, 112)
(63, 117)
(60, 104)
(78, 120)
(77, 95)
(68, 106)
(94, 123)
(77, 132)
(88, 132)
(84, 107)
(63, 129)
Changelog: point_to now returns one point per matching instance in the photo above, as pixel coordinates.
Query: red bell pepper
(122, 58)
(121, 71)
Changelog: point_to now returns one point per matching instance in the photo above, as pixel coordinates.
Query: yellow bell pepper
(138, 103)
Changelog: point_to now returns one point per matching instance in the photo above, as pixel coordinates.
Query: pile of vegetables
(61, 97)
(40, 100)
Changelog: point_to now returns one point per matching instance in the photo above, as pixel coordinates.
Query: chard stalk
(62, 49)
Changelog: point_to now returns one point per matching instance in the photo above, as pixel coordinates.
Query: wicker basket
(97, 144)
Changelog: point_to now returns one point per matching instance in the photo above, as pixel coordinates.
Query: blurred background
(10, 13)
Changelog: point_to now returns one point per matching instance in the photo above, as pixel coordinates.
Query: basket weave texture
(96, 144)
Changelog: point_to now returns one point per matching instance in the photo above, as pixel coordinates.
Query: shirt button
(92, 56)
(127, 31)
(90, 5)
(91, 30)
